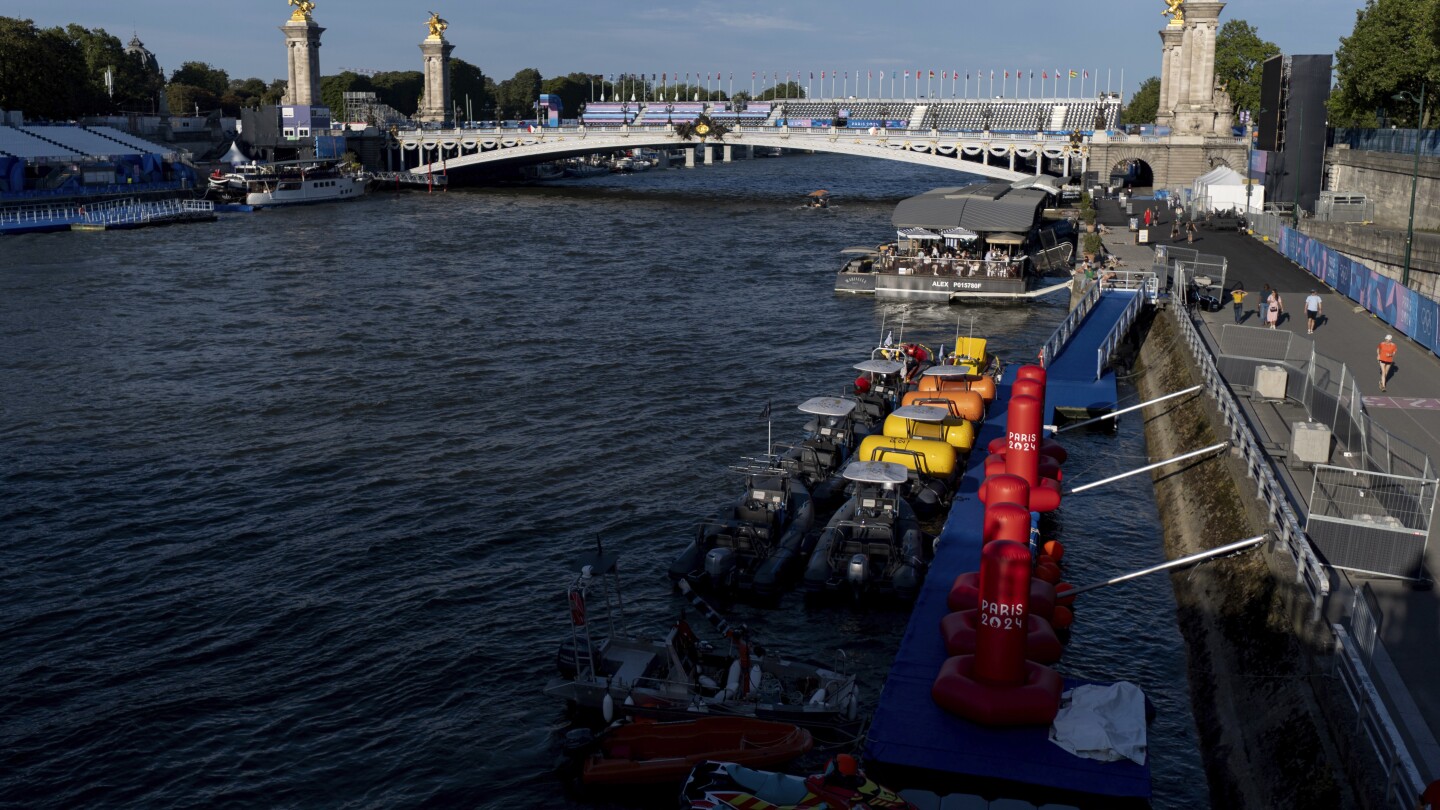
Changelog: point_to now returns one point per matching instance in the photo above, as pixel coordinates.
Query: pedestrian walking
(1174, 230)
(1238, 296)
(1272, 308)
(1190, 231)
(1312, 311)
(1148, 217)
(1385, 354)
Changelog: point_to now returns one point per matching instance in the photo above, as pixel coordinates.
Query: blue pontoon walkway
(909, 732)
(1079, 380)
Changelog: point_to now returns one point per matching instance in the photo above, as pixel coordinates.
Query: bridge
(928, 134)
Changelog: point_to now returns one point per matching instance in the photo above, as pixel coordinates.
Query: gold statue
(302, 10)
(437, 26)
(1175, 10)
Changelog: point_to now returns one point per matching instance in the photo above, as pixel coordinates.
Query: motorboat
(877, 390)
(648, 753)
(819, 198)
(818, 458)
(873, 543)
(929, 442)
(580, 168)
(268, 185)
(604, 668)
(714, 785)
(756, 543)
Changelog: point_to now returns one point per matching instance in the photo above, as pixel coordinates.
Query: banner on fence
(1411, 313)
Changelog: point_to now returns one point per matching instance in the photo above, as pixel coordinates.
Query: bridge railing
(1121, 328)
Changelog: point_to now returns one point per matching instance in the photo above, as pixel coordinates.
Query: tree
(199, 74)
(1144, 105)
(783, 92)
(515, 97)
(44, 72)
(334, 88)
(471, 90)
(1239, 54)
(1392, 48)
(187, 99)
(399, 89)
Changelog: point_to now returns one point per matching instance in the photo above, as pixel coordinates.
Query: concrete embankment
(1255, 662)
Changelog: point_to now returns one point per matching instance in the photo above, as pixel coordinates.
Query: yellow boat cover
(935, 458)
(956, 432)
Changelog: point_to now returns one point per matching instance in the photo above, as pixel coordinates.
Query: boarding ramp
(1080, 382)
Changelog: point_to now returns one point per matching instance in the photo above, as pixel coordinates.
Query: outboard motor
(719, 564)
(858, 570)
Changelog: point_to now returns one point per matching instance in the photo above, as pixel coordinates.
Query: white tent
(1222, 188)
(235, 157)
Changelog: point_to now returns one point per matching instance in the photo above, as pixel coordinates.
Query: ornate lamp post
(1405, 95)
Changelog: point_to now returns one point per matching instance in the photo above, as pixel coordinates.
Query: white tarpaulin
(1222, 188)
(235, 157)
(1102, 722)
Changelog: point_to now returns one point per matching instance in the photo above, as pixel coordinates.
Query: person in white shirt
(1312, 311)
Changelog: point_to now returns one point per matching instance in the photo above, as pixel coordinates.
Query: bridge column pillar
(690, 158)
(725, 155)
(1067, 164)
(748, 152)
(664, 158)
(1012, 161)
(707, 153)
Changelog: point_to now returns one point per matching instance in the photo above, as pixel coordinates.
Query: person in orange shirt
(1385, 353)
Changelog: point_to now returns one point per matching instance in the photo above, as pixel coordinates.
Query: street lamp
(1405, 95)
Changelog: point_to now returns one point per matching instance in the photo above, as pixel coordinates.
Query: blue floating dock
(910, 732)
(1072, 386)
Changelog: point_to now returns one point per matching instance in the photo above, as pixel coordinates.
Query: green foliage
(1144, 104)
(1393, 47)
(783, 91)
(1239, 54)
(200, 74)
(400, 89)
(187, 99)
(58, 73)
(1091, 244)
(515, 97)
(467, 82)
(334, 88)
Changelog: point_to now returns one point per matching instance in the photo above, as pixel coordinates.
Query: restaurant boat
(987, 240)
(297, 182)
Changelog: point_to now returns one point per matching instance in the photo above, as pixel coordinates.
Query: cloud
(758, 22)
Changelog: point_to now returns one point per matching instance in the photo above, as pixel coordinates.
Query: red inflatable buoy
(1028, 388)
(1055, 549)
(1063, 618)
(1033, 702)
(965, 595)
(960, 631)
(1005, 488)
(1032, 372)
(1005, 521)
(1022, 439)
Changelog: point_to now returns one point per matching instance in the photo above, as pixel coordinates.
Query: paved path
(1409, 408)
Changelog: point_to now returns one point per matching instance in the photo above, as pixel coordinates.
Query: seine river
(287, 501)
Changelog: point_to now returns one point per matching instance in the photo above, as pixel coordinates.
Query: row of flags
(869, 74)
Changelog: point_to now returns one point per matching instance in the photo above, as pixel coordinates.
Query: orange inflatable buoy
(1055, 549)
(1062, 618)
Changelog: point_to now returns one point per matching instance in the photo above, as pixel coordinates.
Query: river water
(287, 501)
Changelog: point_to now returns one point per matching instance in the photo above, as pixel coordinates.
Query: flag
(1044, 75)
(1007, 74)
(932, 74)
(869, 74)
(890, 338)
(907, 74)
(1087, 74)
(752, 74)
(1074, 75)
(822, 75)
(992, 74)
(967, 78)
(1032, 74)
(765, 414)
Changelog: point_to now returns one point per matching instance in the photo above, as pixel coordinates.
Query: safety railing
(1117, 333)
(1403, 783)
(38, 213)
(1310, 572)
(1067, 327)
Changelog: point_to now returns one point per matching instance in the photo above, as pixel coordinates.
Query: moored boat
(755, 543)
(605, 669)
(644, 753)
(267, 185)
(714, 785)
(873, 543)
(818, 458)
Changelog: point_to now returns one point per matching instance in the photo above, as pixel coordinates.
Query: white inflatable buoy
(755, 675)
(629, 700)
(732, 680)
(607, 708)
(851, 708)
(708, 682)
(818, 699)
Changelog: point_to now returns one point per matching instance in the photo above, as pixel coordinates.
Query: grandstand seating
(20, 143)
(610, 112)
(139, 145)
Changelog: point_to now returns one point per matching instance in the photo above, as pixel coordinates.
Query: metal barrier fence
(1309, 571)
(1269, 225)
(1169, 259)
(1118, 331)
(1326, 388)
(1402, 779)
(1371, 522)
(1390, 140)
(1067, 327)
(1330, 210)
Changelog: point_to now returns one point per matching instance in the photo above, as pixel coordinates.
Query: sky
(558, 37)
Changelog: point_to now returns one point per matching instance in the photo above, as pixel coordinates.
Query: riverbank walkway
(1405, 614)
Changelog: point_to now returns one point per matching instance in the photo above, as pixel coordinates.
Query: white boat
(290, 183)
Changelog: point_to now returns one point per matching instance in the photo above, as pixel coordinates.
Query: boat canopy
(876, 472)
(827, 406)
(1005, 239)
(859, 250)
(916, 233)
(877, 365)
(951, 372)
(962, 234)
(1045, 182)
(980, 207)
(921, 413)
